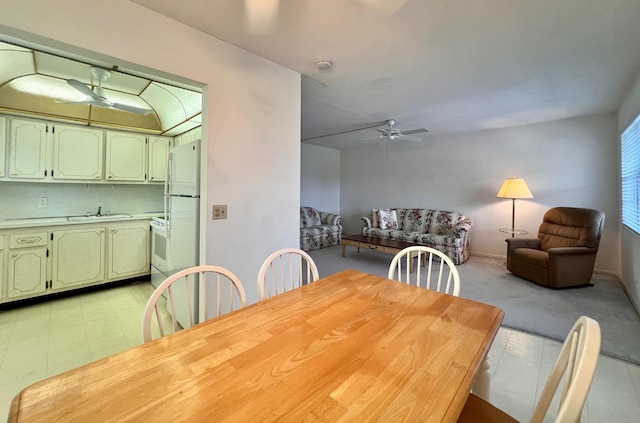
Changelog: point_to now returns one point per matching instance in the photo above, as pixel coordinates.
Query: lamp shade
(514, 188)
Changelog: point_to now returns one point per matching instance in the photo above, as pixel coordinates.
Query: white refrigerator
(182, 216)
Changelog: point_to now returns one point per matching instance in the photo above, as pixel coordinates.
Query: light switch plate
(219, 211)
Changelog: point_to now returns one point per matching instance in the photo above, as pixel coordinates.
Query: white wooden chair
(284, 270)
(434, 270)
(214, 284)
(575, 365)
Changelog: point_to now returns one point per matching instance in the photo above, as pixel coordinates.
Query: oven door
(159, 252)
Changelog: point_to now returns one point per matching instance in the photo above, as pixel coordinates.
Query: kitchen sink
(101, 217)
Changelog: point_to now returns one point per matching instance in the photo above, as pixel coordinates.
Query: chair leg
(482, 385)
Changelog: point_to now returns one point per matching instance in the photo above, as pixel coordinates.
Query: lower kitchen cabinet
(78, 257)
(129, 250)
(27, 264)
(39, 261)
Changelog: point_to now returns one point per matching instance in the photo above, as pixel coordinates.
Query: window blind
(630, 173)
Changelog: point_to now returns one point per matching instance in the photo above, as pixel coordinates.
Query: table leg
(482, 385)
(342, 248)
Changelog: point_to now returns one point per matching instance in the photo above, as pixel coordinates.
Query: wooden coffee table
(382, 245)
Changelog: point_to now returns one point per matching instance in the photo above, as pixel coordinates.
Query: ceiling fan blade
(404, 137)
(130, 109)
(415, 131)
(83, 89)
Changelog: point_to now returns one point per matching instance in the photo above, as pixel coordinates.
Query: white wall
(571, 162)
(320, 178)
(251, 115)
(629, 241)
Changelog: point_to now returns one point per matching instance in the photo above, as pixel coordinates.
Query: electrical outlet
(219, 211)
(42, 203)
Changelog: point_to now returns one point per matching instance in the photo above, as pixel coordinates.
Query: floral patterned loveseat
(318, 229)
(446, 231)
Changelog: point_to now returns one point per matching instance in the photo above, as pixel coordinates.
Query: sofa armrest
(573, 251)
(330, 219)
(366, 221)
(513, 243)
(462, 228)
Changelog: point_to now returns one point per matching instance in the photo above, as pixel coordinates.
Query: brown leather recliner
(565, 251)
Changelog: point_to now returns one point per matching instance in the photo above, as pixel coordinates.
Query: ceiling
(447, 66)
(34, 83)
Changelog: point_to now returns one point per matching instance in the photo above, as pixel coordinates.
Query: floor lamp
(514, 188)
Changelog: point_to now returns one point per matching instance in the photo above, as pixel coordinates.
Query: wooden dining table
(349, 347)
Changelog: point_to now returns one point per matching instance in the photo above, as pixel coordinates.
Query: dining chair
(575, 365)
(439, 274)
(284, 270)
(183, 298)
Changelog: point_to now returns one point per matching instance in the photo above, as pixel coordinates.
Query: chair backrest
(439, 273)
(206, 291)
(284, 270)
(571, 227)
(577, 364)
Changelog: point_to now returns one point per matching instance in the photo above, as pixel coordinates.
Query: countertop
(70, 220)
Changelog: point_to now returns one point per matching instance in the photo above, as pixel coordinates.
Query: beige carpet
(527, 306)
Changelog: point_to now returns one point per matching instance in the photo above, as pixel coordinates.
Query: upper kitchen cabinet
(44, 151)
(126, 157)
(27, 149)
(187, 137)
(158, 153)
(3, 138)
(77, 152)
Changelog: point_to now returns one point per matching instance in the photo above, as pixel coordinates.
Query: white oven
(159, 251)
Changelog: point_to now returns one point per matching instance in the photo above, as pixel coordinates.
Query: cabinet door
(158, 153)
(78, 257)
(126, 157)
(27, 272)
(129, 250)
(3, 138)
(27, 149)
(77, 152)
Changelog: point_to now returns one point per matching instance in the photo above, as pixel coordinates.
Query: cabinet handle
(28, 240)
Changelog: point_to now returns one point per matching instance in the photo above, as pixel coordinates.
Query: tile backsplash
(19, 200)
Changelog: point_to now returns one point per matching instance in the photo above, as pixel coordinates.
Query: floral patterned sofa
(446, 231)
(318, 229)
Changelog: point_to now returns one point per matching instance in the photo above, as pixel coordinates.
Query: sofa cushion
(440, 222)
(388, 219)
(309, 217)
(375, 223)
(414, 220)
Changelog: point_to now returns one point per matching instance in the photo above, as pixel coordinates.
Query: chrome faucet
(99, 211)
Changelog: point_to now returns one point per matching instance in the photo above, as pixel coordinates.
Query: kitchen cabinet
(27, 264)
(158, 152)
(37, 261)
(43, 151)
(77, 152)
(187, 137)
(27, 149)
(3, 139)
(2, 276)
(126, 157)
(129, 250)
(78, 257)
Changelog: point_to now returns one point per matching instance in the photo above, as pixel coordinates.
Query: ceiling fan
(98, 97)
(391, 133)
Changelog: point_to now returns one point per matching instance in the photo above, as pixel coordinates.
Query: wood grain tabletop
(349, 347)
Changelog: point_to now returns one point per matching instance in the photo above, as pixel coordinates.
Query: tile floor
(42, 340)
